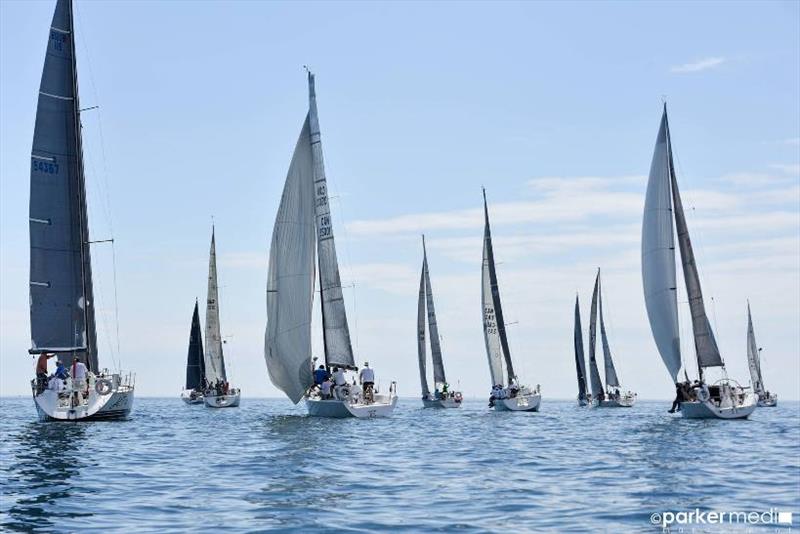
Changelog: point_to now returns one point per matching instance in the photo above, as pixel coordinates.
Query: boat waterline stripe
(40, 284)
(41, 221)
(59, 30)
(45, 158)
(56, 96)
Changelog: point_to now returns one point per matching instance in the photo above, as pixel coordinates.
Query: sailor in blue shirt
(61, 371)
(320, 375)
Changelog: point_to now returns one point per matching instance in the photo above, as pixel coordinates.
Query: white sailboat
(62, 302)
(612, 396)
(303, 224)
(765, 398)
(218, 394)
(195, 363)
(507, 393)
(442, 397)
(724, 399)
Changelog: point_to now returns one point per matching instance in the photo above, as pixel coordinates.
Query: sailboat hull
(383, 406)
(116, 404)
(230, 400)
(622, 402)
(520, 403)
(709, 410)
(441, 403)
(768, 402)
(192, 397)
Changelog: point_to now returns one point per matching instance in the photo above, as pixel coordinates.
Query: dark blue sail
(195, 363)
(61, 296)
(580, 362)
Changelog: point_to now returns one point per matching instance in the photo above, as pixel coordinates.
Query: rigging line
(116, 300)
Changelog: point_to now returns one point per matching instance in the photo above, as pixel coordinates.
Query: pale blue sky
(553, 106)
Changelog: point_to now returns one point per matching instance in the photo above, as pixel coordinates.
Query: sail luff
(194, 357)
(215, 361)
(421, 348)
(753, 356)
(338, 348)
(433, 327)
(61, 290)
(705, 345)
(658, 257)
(597, 384)
(580, 363)
(290, 278)
(611, 372)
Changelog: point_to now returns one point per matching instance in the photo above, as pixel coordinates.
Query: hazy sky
(554, 107)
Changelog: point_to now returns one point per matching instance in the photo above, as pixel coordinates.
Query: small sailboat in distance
(765, 398)
(611, 396)
(725, 399)
(303, 226)
(219, 394)
(62, 304)
(195, 363)
(580, 363)
(507, 394)
(442, 397)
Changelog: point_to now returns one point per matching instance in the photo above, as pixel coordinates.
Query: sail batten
(580, 363)
(594, 373)
(753, 357)
(61, 291)
(195, 362)
(215, 361)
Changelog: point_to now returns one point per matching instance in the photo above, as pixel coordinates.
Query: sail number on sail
(44, 166)
(489, 320)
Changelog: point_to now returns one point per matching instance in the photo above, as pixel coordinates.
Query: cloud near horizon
(699, 65)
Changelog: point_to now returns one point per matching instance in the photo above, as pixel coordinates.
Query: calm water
(266, 466)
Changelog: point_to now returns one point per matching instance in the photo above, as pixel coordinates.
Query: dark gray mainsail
(421, 349)
(195, 363)
(597, 384)
(753, 356)
(580, 363)
(433, 328)
(611, 372)
(61, 293)
(338, 349)
(494, 328)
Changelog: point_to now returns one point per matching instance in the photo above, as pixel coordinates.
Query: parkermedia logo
(703, 517)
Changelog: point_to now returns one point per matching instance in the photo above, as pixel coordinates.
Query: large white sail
(338, 349)
(290, 281)
(215, 361)
(658, 257)
(611, 372)
(433, 328)
(753, 359)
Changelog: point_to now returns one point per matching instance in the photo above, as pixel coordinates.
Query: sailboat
(580, 363)
(765, 398)
(724, 399)
(611, 396)
(302, 239)
(512, 396)
(442, 397)
(218, 394)
(62, 305)
(195, 363)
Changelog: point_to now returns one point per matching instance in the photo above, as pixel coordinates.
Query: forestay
(658, 256)
(61, 294)
(195, 363)
(290, 281)
(753, 357)
(215, 361)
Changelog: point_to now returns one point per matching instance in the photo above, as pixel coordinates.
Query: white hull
(622, 402)
(231, 400)
(383, 406)
(188, 398)
(520, 403)
(117, 403)
(441, 403)
(768, 402)
(709, 410)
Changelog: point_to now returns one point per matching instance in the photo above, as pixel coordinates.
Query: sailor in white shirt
(78, 379)
(338, 377)
(367, 378)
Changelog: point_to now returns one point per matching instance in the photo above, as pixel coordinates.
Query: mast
(436, 347)
(611, 372)
(421, 350)
(597, 384)
(705, 345)
(580, 364)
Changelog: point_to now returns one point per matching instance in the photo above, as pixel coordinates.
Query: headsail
(597, 384)
(195, 364)
(753, 356)
(61, 294)
(658, 257)
(706, 346)
(433, 328)
(290, 282)
(215, 361)
(338, 349)
(421, 349)
(611, 372)
(494, 329)
(580, 364)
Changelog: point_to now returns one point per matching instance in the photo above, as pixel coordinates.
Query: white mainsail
(433, 327)
(215, 362)
(290, 281)
(753, 359)
(658, 256)
(611, 373)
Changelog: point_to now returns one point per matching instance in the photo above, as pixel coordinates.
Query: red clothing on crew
(41, 363)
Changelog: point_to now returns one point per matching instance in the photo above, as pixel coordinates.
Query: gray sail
(61, 294)
(494, 328)
(580, 363)
(611, 372)
(215, 361)
(753, 357)
(290, 280)
(338, 349)
(421, 350)
(195, 364)
(433, 328)
(594, 373)
(658, 257)
(705, 345)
